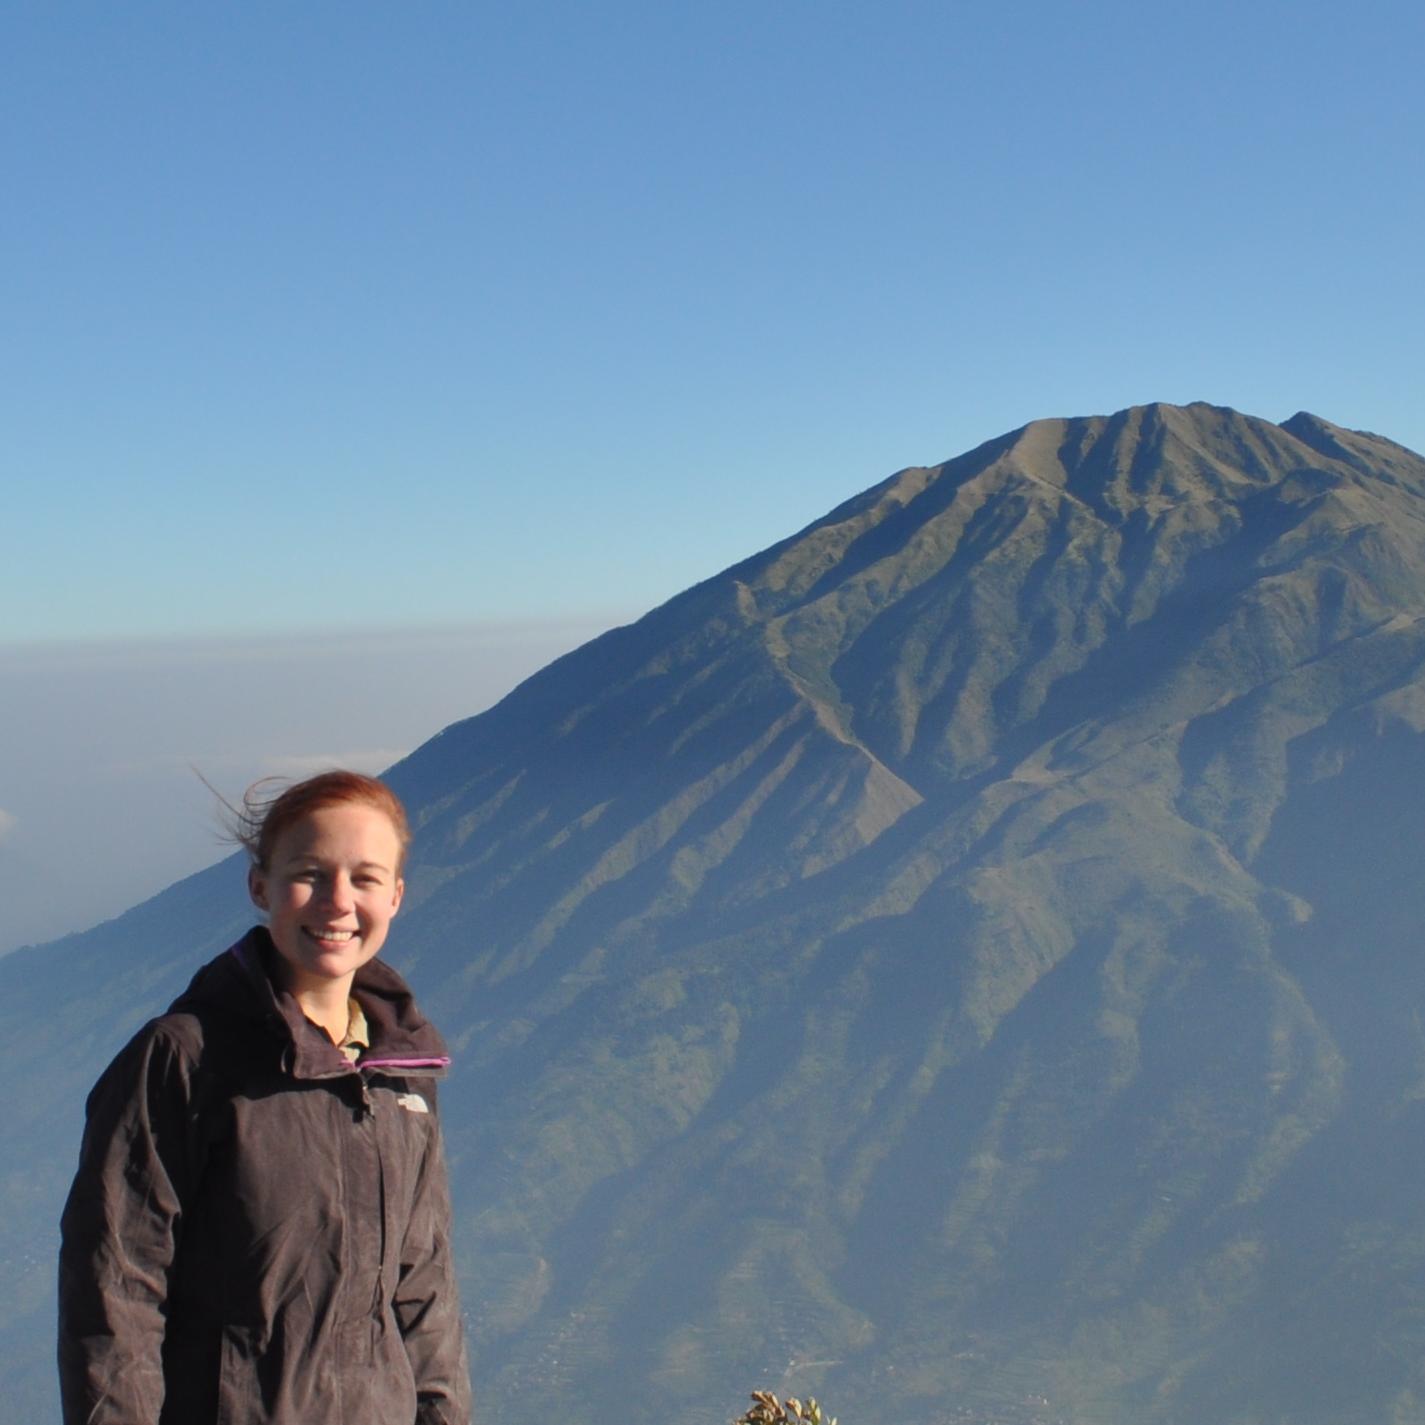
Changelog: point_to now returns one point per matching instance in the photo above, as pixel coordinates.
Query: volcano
(962, 962)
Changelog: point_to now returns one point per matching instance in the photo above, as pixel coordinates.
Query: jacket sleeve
(119, 1236)
(427, 1301)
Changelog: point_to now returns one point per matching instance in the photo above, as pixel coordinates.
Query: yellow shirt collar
(358, 1032)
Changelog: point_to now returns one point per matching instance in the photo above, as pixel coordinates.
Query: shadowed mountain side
(961, 961)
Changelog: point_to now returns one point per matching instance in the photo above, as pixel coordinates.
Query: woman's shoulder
(216, 1014)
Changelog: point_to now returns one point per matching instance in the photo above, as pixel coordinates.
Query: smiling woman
(259, 1228)
(327, 859)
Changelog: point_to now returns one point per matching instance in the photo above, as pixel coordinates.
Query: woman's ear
(257, 887)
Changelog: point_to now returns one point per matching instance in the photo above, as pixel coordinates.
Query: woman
(258, 1233)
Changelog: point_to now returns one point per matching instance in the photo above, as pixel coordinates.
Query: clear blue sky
(349, 317)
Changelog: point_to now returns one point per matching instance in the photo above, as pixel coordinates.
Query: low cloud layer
(102, 742)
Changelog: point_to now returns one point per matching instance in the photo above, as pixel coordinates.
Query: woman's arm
(119, 1235)
(427, 1301)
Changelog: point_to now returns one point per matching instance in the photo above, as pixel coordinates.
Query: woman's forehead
(346, 829)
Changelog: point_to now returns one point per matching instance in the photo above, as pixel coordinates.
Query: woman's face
(330, 889)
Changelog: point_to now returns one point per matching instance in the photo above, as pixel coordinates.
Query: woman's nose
(339, 892)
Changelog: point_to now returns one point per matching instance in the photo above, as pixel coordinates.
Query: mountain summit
(961, 962)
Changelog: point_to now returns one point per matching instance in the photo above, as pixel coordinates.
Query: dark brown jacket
(258, 1233)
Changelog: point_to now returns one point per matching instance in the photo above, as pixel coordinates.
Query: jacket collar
(403, 1041)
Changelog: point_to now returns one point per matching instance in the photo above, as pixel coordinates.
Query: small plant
(768, 1410)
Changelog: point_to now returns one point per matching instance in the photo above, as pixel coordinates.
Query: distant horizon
(69, 855)
(239, 626)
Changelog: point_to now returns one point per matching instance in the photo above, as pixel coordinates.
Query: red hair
(265, 815)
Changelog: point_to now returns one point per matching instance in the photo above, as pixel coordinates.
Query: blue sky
(349, 318)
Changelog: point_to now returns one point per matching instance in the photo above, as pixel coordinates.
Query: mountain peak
(1155, 451)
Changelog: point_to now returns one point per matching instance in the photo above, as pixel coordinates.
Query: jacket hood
(241, 984)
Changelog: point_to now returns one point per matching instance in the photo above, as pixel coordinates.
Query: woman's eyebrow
(305, 859)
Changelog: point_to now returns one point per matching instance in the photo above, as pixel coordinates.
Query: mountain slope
(960, 960)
